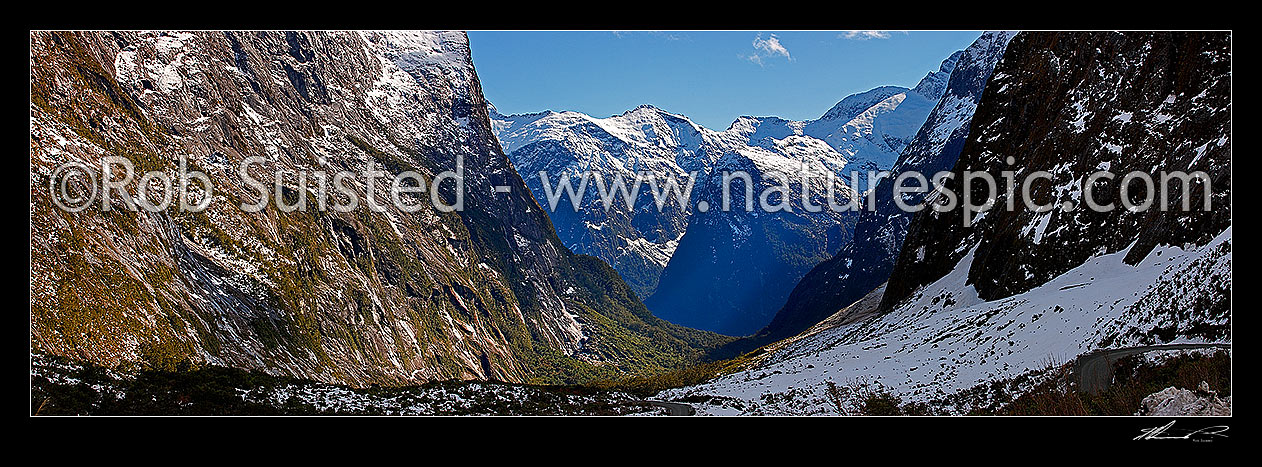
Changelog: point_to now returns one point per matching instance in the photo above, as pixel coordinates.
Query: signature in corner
(1164, 432)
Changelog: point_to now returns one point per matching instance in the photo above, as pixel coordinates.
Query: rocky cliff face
(1072, 104)
(352, 297)
(865, 263)
(972, 316)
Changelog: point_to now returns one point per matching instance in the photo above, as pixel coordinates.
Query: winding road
(1094, 371)
(675, 408)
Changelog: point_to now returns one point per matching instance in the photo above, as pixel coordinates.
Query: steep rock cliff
(355, 297)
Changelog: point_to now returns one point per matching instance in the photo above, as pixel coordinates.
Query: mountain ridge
(861, 132)
(974, 317)
(357, 297)
(866, 263)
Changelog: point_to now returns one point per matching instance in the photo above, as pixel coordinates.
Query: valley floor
(63, 387)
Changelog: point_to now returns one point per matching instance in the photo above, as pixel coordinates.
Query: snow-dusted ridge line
(864, 131)
(865, 263)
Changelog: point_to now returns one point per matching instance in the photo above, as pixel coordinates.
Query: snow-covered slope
(1018, 290)
(946, 339)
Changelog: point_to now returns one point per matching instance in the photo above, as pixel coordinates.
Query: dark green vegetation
(1133, 380)
(646, 386)
(865, 398)
(622, 331)
(62, 387)
(1049, 391)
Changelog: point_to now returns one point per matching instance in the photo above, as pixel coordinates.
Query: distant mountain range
(726, 272)
(866, 262)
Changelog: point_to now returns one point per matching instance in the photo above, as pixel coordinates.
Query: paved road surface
(1094, 371)
(675, 408)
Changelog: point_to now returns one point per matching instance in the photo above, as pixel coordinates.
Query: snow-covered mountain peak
(756, 130)
(866, 262)
(864, 131)
(934, 84)
(872, 137)
(644, 126)
(644, 109)
(854, 104)
(414, 51)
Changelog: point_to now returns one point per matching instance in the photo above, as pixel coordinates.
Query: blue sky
(712, 77)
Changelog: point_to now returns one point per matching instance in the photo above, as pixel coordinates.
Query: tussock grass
(1133, 380)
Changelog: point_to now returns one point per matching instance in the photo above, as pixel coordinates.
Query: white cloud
(865, 35)
(768, 48)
